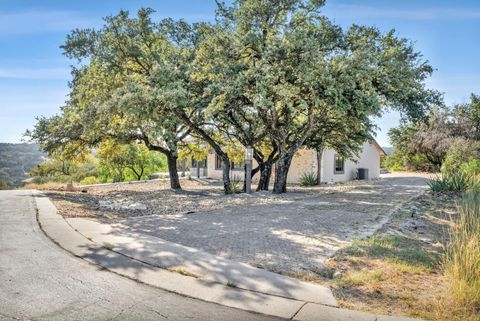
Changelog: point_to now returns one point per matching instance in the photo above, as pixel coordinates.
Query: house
(333, 168)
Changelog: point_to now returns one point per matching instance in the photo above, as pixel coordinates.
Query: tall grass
(462, 261)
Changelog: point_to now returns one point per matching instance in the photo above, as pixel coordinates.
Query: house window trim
(219, 163)
(335, 172)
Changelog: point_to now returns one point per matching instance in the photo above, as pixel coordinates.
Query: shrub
(462, 263)
(461, 152)
(90, 180)
(3, 185)
(450, 183)
(309, 179)
(471, 169)
(235, 185)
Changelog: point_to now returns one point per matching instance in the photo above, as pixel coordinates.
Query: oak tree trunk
(226, 174)
(265, 175)
(172, 171)
(319, 165)
(280, 184)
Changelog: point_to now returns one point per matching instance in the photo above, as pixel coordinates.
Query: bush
(471, 169)
(460, 153)
(309, 179)
(235, 185)
(90, 180)
(462, 263)
(450, 183)
(406, 161)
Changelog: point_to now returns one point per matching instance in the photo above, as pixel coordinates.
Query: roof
(376, 144)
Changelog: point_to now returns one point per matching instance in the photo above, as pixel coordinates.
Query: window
(233, 166)
(218, 162)
(202, 163)
(339, 164)
(237, 167)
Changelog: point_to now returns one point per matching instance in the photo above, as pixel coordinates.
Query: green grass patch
(395, 249)
(359, 278)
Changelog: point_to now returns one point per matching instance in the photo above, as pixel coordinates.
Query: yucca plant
(462, 261)
(235, 185)
(309, 179)
(450, 183)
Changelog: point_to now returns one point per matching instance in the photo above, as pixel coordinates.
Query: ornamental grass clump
(452, 183)
(462, 260)
(309, 179)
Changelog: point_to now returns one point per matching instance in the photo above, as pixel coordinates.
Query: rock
(425, 240)
(70, 187)
(154, 176)
(137, 206)
(106, 205)
(337, 275)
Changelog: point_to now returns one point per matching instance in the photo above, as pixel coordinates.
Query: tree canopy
(275, 75)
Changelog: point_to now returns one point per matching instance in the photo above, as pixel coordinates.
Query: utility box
(363, 173)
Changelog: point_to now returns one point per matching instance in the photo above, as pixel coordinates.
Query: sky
(34, 74)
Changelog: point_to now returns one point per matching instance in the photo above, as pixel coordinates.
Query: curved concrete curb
(302, 302)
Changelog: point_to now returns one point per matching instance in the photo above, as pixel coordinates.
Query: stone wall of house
(216, 173)
(305, 161)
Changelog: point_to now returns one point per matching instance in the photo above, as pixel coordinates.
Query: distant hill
(389, 150)
(16, 161)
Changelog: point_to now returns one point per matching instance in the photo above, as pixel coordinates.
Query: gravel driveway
(296, 231)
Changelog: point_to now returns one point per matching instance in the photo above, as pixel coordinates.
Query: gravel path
(296, 231)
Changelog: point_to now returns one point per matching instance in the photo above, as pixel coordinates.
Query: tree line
(274, 75)
(447, 140)
(16, 161)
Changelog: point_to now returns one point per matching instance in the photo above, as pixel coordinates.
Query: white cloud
(30, 22)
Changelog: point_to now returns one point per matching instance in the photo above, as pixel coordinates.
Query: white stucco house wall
(333, 167)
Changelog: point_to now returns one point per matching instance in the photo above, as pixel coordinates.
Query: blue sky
(34, 73)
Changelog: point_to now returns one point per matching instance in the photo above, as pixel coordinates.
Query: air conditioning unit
(362, 173)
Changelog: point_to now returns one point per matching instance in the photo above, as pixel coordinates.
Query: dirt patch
(156, 198)
(398, 270)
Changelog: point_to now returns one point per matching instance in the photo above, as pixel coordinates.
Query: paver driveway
(298, 231)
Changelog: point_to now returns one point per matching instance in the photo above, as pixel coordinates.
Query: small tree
(433, 138)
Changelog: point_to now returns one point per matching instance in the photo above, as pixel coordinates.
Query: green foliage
(462, 263)
(400, 161)
(394, 248)
(16, 161)
(3, 185)
(120, 163)
(90, 180)
(444, 141)
(471, 169)
(269, 73)
(112, 163)
(235, 185)
(461, 152)
(457, 182)
(309, 179)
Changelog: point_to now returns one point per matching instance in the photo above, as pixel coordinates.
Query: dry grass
(462, 264)
(45, 187)
(399, 271)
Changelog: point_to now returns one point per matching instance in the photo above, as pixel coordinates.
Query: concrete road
(40, 281)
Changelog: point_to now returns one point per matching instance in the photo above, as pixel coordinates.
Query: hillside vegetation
(16, 161)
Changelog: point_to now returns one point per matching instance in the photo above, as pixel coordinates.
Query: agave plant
(309, 179)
